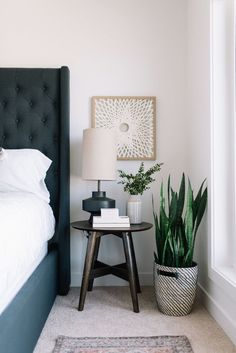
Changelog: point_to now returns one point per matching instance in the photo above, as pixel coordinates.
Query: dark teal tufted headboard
(34, 113)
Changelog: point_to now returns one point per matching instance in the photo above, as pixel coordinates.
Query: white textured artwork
(133, 119)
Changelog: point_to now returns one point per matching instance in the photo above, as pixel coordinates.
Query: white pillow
(24, 170)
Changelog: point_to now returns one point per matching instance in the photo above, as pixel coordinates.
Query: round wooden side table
(94, 268)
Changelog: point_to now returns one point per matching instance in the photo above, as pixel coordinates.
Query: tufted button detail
(4, 104)
(17, 121)
(44, 119)
(31, 103)
(17, 88)
(45, 88)
(3, 137)
(30, 137)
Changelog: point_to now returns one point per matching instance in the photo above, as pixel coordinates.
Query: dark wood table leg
(131, 270)
(87, 268)
(96, 250)
(138, 288)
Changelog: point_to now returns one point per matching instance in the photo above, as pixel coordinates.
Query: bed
(34, 114)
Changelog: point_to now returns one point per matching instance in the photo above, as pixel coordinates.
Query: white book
(111, 225)
(110, 212)
(120, 219)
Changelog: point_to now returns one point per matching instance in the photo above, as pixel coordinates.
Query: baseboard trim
(146, 279)
(218, 313)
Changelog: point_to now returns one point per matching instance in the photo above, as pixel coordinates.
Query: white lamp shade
(99, 154)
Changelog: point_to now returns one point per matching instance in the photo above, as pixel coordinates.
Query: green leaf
(197, 202)
(181, 198)
(176, 252)
(201, 210)
(158, 235)
(181, 247)
(168, 190)
(167, 254)
(189, 216)
(173, 210)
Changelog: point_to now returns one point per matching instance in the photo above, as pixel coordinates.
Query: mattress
(26, 225)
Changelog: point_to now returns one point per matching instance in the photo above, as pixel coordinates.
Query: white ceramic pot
(134, 209)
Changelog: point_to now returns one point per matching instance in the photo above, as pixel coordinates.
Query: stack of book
(110, 219)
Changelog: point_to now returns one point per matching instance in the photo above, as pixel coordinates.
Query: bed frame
(34, 113)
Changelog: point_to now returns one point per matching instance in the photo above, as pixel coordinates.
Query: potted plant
(176, 226)
(135, 185)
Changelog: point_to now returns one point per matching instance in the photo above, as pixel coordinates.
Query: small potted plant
(135, 185)
(176, 226)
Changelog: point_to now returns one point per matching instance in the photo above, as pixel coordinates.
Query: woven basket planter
(175, 289)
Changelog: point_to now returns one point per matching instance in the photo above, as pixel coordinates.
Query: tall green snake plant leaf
(177, 223)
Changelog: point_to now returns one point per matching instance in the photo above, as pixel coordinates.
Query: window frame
(222, 254)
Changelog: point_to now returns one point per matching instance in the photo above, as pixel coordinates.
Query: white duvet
(26, 224)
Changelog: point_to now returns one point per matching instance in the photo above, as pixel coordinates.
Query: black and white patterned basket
(175, 289)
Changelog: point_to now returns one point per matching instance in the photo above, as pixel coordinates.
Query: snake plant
(177, 224)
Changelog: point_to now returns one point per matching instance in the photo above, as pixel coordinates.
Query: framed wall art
(134, 121)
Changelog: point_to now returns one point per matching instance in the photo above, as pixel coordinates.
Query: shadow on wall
(76, 160)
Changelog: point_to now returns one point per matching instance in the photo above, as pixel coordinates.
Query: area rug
(160, 344)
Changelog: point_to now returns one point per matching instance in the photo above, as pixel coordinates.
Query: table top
(85, 225)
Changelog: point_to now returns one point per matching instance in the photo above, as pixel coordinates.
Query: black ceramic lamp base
(94, 204)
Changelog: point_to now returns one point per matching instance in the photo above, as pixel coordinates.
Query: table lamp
(98, 163)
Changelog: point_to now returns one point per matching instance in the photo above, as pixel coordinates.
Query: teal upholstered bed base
(34, 113)
(23, 320)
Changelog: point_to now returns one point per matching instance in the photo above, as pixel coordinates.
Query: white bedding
(26, 224)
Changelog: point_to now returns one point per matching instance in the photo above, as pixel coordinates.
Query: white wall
(128, 47)
(218, 298)
(123, 47)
